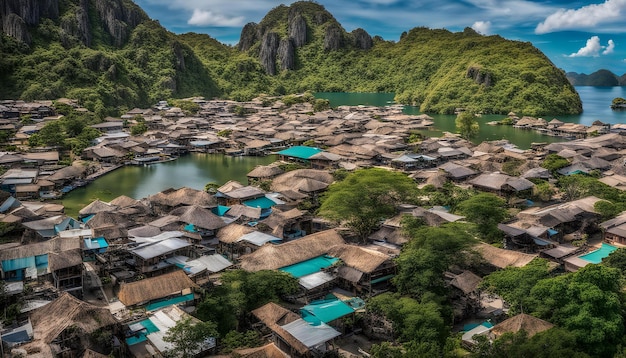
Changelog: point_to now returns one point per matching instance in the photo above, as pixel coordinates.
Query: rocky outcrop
(297, 30)
(479, 76)
(15, 15)
(362, 39)
(77, 26)
(118, 19)
(333, 38)
(177, 48)
(287, 54)
(249, 36)
(15, 26)
(321, 17)
(268, 51)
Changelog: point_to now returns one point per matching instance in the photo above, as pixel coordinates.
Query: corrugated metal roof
(259, 238)
(160, 248)
(315, 280)
(310, 336)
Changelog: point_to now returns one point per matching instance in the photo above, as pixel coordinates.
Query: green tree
(554, 162)
(321, 104)
(514, 284)
(555, 342)
(139, 128)
(188, 337)
(466, 124)
(366, 197)
(234, 340)
(211, 187)
(429, 253)
(607, 209)
(587, 303)
(617, 259)
(486, 211)
(52, 135)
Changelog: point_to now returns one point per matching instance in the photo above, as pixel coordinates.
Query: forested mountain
(109, 54)
(598, 78)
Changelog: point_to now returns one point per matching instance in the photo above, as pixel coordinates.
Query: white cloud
(609, 49)
(585, 17)
(208, 18)
(593, 47)
(482, 27)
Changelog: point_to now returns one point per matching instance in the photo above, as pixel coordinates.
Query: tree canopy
(466, 124)
(188, 337)
(486, 211)
(366, 197)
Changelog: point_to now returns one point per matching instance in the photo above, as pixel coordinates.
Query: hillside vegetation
(110, 55)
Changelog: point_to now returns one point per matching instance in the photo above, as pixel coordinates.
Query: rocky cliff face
(362, 39)
(249, 36)
(118, 19)
(77, 25)
(297, 30)
(287, 54)
(268, 52)
(479, 76)
(15, 15)
(333, 38)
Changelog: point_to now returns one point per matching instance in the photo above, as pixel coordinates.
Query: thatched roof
(64, 259)
(265, 171)
(155, 287)
(232, 232)
(272, 257)
(230, 186)
(56, 244)
(503, 258)
(107, 218)
(93, 354)
(521, 322)
(199, 217)
(52, 319)
(244, 210)
(96, 206)
(304, 180)
(75, 170)
(183, 196)
(359, 258)
(275, 316)
(144, 231)
(467, 282)
(123, 201)
(111, 232)
(267, 351)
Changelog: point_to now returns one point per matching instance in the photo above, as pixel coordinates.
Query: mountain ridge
(601, 77)
(109, 54)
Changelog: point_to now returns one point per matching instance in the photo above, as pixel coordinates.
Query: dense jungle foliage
(435, 69)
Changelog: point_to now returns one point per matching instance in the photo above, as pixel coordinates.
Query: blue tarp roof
(301, 152)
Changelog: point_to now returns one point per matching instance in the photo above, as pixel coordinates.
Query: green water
(193, 171)
(596, 106)
(443, 123)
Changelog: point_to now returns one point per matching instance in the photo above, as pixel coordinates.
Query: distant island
(603, 77)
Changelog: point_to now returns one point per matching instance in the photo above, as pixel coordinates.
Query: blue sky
(580, 36)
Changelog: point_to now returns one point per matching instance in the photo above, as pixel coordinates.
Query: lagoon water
(195, 170)
(596, 106)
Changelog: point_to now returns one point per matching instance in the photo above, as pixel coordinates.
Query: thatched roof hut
(107, 219)
(96, 206)
(64, 259)
(304, 180)
(123, 201)
(265, 172)
(267, 351)
(364, 260)
(155, 287)
(502, 258)
(199, 217)
(275, 316)
(467, 282)
(272, 257)
(67, 311)
(521, 322)
(232, 232)
(184, 196)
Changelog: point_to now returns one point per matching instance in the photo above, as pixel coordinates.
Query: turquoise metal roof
(299, 151)
(262, 202)
(172, 301)
(309, 266)
(325, 311)
(220, 210)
